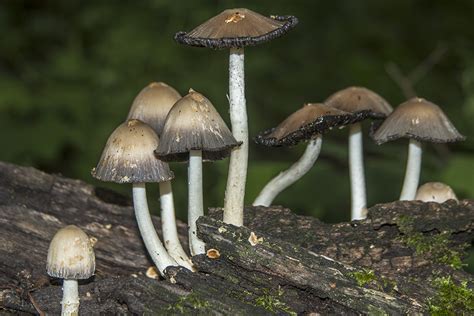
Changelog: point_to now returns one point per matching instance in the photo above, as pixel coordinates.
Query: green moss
(272, 302)
(451, 299)
(191, 301)
(437, 246)
(363, 277)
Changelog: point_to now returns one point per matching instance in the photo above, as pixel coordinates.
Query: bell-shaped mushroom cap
(194, 124)
(310, 120)
(70, 255)
(435, 192)
(237, 28)
(354, 99)
(128, 156)
(419, 119)
(152, 105)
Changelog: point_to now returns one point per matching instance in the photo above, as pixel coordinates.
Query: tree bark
(278, 263)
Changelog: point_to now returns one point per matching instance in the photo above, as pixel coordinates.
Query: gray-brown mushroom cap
(307, 122)
(128, 156)
(236, 28)
(194, 124)
(152, 105)
(354, 99)
(419, 119)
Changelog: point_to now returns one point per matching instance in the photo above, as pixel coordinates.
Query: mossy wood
(391, 263)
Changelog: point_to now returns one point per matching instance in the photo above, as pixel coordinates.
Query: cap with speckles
(128, 156)
(310, 120)
(419, 119)
(194, 124)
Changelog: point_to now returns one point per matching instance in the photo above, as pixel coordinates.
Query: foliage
(451, 298)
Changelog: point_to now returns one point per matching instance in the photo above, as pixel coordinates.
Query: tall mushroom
(420, 121)
(235, 29)
(354, 99)
(128, 158)
(151, 106)
(306, 124)
(71, 258)
(435, 192)
(194, 132)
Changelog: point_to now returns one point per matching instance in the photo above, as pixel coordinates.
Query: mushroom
(435, 192)
(194, 132)
(71, 258)
(128, 158)
(151, 106)
(306, 124)
(354, 99)
(235, 29)
(420, 121)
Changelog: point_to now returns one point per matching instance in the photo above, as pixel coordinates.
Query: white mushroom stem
(412, 173)
(291, 175)
(70, 302)
(168, 223)
(153, 244)
(235, 190)
(195, 206)
(357, 174)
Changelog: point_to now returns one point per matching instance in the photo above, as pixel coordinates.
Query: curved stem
(412, 173)
(153, 244)
(235, 189)
(357, 174)
(70, 302)
(291, 175)
(170, 231)
(195, 206)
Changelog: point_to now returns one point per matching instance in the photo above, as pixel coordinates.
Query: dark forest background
(69, 71)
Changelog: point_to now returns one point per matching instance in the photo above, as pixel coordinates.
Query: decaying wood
(279, 263)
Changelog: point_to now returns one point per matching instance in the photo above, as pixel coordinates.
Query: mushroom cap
(236, 28)
(310, 120)
(419, 119)
(435, 192)
(354, 99)
(194, 124)
(152, 105)
(128, 156)
(70, 255)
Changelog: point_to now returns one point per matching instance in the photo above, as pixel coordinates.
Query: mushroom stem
(70, 302)
(153, 244)
(168, 223)
(291, 175)
(195, 206)
(235, 190)
(357, 175)
(412, 173)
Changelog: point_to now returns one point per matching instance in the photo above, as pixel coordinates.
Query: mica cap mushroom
(435, 192)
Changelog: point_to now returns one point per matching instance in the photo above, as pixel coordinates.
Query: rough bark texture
(280, 263)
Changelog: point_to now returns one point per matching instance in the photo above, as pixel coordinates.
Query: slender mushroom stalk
(291, 175)
(235, 29)
(71, 258)
(235, 189)
(195, 201)
(152, 242)
(169, 227)
(412, 173)
(357, 174)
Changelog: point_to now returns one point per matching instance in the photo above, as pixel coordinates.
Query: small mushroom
(354, 99)
(71, 258)
(194, 131)
(151, 106)
(235, 29)
(128, 158)
(306, 124)
(435, 192)
(420, 121)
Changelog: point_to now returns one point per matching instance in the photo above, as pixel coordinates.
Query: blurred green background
(69, 71)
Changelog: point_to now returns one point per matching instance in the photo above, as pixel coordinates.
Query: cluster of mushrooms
(162, 126)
